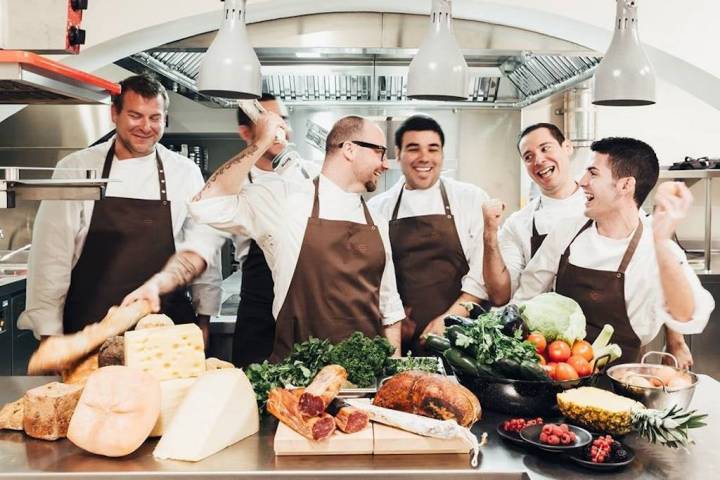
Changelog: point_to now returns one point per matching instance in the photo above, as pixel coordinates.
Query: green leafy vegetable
(555, 316)
(424, 364)
(364, 358)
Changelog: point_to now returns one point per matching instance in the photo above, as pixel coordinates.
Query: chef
(435, 223)
(330, 257)
(621, 266)
(88, 255)
(255, 326)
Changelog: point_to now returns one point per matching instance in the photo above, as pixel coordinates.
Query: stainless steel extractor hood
(28, 78)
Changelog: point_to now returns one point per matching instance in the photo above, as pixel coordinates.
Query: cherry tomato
(581, 366)
(537, 339)
(563, 371)
(559, 351)
(584, 349)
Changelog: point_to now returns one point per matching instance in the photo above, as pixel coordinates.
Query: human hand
(682, 353)
(492, 213)
(270, 128)
(435, 327)
(672, 202)
(149, 291)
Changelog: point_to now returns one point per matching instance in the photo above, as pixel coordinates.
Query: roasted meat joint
(417, 240)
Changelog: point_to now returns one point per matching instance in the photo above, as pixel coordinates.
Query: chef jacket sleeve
(57, 225)
(205, 241)
(704, 302)
(539, 275)
(512, 239)
(391, 306)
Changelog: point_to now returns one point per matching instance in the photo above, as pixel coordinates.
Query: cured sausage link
(283, 404)
(323, 389)
(348, 418)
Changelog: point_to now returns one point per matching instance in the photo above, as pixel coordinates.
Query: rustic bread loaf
(47, 409)
(11, 415)
(112, 352)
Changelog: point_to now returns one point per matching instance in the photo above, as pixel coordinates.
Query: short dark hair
(243, 119)
(556, 133)
(418, 123)
(146, 85)
(343, 130)
(629, 157)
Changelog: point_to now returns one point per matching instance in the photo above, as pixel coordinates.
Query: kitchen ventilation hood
(311, 76)
(28, 78)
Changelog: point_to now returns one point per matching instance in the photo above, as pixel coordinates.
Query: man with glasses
(329, 257)
(436, 225)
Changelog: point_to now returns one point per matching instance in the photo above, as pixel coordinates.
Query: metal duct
(580, 115)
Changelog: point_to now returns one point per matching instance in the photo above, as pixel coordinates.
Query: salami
(348, 419)
(323, 389)
(283, 404)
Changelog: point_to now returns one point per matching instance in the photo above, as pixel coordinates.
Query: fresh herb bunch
(424, 364)
(364, 358)
(485, 339)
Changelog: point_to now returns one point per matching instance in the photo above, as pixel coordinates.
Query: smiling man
(621, 266)
(87, 255)
(329, 257)
(435, 224)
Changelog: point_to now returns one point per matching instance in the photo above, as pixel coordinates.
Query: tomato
(584, 349)
(541, 359)
(537, 339)
(559, 351)
(581, 366)
(550, 369)
(563, 371)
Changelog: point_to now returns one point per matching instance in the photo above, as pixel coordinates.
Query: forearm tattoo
(239, 158)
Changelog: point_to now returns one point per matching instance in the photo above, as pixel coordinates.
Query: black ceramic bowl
(579, 458)
(521, 398)
(532, 436)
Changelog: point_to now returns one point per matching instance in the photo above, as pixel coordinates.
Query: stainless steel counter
(253, 458)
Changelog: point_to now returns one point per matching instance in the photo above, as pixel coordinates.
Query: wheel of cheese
(116, 412)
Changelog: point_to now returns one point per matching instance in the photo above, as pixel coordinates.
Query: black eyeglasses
(378, 148)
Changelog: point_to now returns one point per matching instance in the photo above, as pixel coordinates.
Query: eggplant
(511, 320)
(451, 320)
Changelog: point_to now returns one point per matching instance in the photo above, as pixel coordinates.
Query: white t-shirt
(275, 213)
(61, 227)
(514, 237)
(644, 297)
(465, 203)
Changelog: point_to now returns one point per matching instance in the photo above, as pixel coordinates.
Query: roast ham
(283, 404)
(322, 390)
(430, 395)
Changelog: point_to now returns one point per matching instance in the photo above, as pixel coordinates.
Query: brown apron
(255, 325)
(536, 240)
(429, 266)
(128, 241)
(601, 295)
(335, 289)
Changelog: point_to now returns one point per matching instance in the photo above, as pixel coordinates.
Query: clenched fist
(672, 202)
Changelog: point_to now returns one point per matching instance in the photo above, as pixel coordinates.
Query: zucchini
(485, 370)
(437, 343)
(458, 360)
(509, 368)
(532, 371)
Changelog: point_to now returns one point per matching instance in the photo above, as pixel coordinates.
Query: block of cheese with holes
(166, 352)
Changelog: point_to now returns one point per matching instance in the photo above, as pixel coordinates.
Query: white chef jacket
(644, 297)
(61, 227)
(242, 242)
(275, 213)
(514, 237)
(465, 202)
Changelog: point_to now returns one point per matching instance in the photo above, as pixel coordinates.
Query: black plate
(532, 436)
(512, 437)
(577, 458)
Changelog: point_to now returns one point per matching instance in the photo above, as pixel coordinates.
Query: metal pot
(658, 397)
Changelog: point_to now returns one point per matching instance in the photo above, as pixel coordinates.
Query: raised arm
(495, 272)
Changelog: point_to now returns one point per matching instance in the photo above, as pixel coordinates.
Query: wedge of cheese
(219, 410)
(166, 352)
(172, 393)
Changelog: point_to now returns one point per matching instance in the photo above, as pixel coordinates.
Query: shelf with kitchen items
(690, 177)
(208, 150)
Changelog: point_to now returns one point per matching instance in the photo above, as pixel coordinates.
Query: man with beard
(329, 257)
(88, 255)
(620, 265)
(435, 224)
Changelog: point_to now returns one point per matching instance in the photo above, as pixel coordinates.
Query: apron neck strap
(316, 204)
(250, 179)
(162, 184)
(443, 193)
(585, 227)
(631, 248)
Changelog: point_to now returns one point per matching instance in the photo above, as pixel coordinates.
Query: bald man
(330, 257)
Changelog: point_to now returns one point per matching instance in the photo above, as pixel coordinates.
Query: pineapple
(607, 412)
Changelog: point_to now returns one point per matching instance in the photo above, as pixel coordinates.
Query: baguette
(61, 352)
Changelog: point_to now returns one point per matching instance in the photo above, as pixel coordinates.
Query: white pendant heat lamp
(625, 76)
(439, 70)
(230, 67)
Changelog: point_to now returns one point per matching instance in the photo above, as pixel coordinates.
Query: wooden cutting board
(289, 442)
(393, 441)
